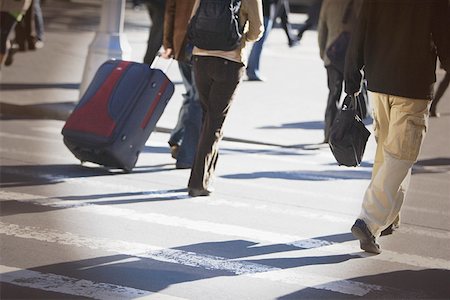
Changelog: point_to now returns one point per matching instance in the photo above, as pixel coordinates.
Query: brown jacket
(176, 19)
(251, 14)
(331, 24)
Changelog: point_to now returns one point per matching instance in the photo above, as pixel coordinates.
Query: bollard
(109, 41)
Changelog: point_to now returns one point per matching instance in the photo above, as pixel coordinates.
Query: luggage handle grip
(157, 59)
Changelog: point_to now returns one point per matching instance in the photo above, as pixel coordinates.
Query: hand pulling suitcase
(115, 117)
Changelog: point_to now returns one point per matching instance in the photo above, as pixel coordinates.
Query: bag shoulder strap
(348, 12)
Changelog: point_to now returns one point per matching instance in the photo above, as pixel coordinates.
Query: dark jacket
(396, 43)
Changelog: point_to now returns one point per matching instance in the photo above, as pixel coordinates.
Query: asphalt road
(276, 227)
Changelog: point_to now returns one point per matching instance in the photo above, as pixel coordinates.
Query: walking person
(336, 18)
(253, 72)
(11, 12)
(282, 11)
(217, 75)
(396, 42)
(184, 137)
(440, 91)
(39, 23)
(313, 18)
(156, 11)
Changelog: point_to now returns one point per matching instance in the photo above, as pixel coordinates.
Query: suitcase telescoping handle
(156, 61)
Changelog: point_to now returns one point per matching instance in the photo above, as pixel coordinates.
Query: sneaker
(293, 42)
(365, 237)
(10, 57)
(198, 192)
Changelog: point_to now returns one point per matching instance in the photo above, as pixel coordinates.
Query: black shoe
(365, 237)
(10, 57)
(198, 192)
(293, 42)
(389, 230)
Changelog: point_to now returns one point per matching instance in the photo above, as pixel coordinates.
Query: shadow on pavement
(155, 270)
(30, 175)
(439, 161)
(432, 165)
(53, 111)
(407, 284)
(34, 86)
(306, 175)
(313, 125)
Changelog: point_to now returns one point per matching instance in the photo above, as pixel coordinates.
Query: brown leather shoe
(174, 151)
(365, 237)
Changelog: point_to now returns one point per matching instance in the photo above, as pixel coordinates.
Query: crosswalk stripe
(74, 286)
(316, 216)
(209, 262)
(231, 230)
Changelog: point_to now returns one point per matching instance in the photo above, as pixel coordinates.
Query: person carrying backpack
(219, 34)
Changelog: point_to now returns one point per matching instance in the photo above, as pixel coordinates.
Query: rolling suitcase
(118, 112)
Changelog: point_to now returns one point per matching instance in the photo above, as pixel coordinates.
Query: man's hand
(167, 53)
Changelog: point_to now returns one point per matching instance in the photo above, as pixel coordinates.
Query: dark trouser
(7, 23)
(156, 12)
(335, 80)
(26, 31)
(442, 87)
(283, 11)
(217, 80)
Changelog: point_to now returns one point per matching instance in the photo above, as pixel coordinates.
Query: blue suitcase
(116, 115)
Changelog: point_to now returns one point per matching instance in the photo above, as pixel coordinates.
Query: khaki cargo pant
(399, 128)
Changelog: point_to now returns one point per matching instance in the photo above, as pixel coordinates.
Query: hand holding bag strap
(356, 104)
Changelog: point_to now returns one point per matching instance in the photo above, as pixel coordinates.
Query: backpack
(215, 25)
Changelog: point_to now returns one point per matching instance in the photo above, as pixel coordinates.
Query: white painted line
(97, 183)
(277, 209)
(234, 231)
(73, 286)
(53, 130)
(209, 262)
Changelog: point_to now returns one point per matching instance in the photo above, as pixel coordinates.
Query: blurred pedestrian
(156, 11)
(25, 31)
(282, 11)
(253, 72)
(184, 137)
(10, 13)
(39, 23)
(396, 42)
(217, 75)
(313, 18)
(440, 91)
(337, 19)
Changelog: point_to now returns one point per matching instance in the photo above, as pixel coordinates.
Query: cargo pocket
(413, 137)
